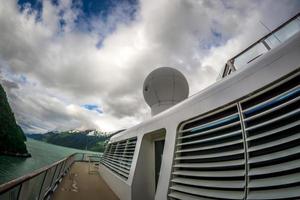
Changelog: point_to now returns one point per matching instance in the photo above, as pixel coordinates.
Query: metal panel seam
(245, 148)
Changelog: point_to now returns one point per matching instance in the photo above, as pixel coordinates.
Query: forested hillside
(85, 140)
(11, 135)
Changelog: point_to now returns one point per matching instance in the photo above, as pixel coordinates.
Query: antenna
(269, 30)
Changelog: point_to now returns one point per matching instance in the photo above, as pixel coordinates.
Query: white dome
(165, 87)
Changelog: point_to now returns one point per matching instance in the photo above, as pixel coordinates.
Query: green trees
(11, 135)
(79, 140)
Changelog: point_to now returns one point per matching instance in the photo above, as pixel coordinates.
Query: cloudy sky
(78, 64)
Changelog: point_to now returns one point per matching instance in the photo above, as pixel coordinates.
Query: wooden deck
(80, 183)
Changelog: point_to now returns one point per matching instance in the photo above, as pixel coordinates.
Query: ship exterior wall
(266, 69)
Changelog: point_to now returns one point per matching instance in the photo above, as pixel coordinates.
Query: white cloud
(65, 69)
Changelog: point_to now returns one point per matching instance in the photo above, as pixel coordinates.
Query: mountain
(12, 138)
(92, 140)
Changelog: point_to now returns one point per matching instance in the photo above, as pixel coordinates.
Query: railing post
(62, 171)
(43, 183)
(266, 45)
(53, 176)
(61, 166)
(19, 192)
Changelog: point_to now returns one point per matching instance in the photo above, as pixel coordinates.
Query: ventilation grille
(209, 161)
(252, 152)
(272, 126)
(118, 157)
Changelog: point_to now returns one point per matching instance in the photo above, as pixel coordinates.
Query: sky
(80, 64)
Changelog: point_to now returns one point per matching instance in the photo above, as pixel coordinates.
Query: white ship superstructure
(237, 139)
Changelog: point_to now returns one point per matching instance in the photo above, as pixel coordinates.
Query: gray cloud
(9, 85)
(65, 68)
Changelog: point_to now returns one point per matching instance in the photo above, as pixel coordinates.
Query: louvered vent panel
(272, 129)
(209, 161)
(118, 156)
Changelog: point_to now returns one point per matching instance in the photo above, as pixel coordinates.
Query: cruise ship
(237, 139)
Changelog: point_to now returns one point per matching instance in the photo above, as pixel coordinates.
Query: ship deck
(83, 182)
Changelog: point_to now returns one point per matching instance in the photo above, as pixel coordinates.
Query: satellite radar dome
(163, 88)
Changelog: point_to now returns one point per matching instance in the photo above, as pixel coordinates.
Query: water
(42, 154)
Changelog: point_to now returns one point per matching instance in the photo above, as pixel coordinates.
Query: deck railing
(263, 45)
(41, 183)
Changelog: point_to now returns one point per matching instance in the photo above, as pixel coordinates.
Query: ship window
(258, 49)
(284, 33)
(272, 41)
(288, 31)
(158, 148)
(250, 55)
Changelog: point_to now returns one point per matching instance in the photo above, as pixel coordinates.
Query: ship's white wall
(166, 165)
(266, 69)
(118, 186)
(143, 184)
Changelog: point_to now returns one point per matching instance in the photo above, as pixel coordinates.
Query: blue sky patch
(92, 107)
(89, 11)
(89, 8)
(23, 79)
(216, 39)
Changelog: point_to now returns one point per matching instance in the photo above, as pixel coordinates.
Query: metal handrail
(6, 186)
(265, 36)
(230, 63)
(53, 173)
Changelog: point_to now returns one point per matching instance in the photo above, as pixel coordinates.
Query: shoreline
(21, 155)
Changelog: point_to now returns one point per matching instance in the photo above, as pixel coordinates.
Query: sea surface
(42, 154)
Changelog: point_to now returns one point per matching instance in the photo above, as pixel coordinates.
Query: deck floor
(80, 184)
